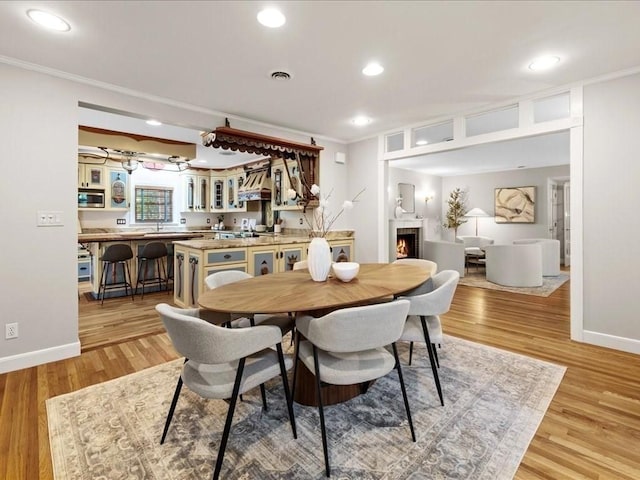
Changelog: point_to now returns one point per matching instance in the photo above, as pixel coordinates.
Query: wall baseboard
(38, 357)
(629, 345)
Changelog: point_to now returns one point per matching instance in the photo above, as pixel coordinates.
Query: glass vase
(319, 259)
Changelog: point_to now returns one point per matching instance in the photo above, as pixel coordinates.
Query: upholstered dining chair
(218, 279)
(346, 347)
(423, 323)
(222, 363)
(421, 262)
(300, 265)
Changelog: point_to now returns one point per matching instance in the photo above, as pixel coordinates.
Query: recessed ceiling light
(421, 142)
(48, 20)
(154, 123)
(271, 17)
(361, 121)
(544, 63)
(373, 69)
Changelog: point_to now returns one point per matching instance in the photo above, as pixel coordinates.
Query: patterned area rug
(549, 284)
(494, 402)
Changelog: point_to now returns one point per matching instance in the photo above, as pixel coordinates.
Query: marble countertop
(261, 240)
(125, 236)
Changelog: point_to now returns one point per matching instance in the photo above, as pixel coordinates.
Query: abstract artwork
(515, 205)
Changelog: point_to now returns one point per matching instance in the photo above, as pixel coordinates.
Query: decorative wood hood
(98, 137)
(306, 155)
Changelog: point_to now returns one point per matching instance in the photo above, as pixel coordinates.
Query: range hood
(256, 186)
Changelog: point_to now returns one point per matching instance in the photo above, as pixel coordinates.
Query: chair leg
(263, 394)
(295, 365)
(321, 411)
(128, 278)
(435, 354)
(410, 352)
(285, 385)
(103, 281)
(172, 408)
(227, 423)
(434, 369)
(404, 391)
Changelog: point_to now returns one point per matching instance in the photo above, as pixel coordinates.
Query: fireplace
(407, 243)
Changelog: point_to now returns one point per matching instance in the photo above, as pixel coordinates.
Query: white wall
(611, 198)
(364, 171)
(424, 185)
(38, 142)
(480, 193)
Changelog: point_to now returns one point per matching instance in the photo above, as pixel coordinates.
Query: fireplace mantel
(409, 223)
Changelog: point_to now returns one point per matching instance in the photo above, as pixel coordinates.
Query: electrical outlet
(234, 221)
(208, 220)
(183, 221)
(121, 221)
(301, 223)
(10, 330)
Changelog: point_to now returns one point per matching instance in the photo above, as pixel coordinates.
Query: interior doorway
(558, 213)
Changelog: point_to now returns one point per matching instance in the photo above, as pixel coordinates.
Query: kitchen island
(97, 243)
(195, 259)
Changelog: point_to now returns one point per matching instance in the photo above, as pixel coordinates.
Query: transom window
(154, 204)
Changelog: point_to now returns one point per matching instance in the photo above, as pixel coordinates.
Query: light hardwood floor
(591, 429)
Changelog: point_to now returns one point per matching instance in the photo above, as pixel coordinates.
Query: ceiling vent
(280, 75)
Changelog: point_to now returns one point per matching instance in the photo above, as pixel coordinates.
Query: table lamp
(476, 212)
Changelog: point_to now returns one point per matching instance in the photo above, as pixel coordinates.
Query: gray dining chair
(423, 322)
(347, 347)
(223, 363)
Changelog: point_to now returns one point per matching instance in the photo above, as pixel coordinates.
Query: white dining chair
(223, 363)
(423, 322)
(347, 347)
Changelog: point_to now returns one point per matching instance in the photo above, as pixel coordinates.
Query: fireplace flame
(402, 249)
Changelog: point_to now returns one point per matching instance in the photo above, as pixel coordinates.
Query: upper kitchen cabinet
(285, 176)
(196, 191)
(91, 176)
(218, 190)
(118, 190)
(234, 182)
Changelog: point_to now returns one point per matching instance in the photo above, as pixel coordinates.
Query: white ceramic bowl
(346, 271)
(261, 228)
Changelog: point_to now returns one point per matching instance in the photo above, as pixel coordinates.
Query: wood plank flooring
(591, 429)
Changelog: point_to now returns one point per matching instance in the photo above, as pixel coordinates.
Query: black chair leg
(126, 266)
(434, 369)
(325, 447)
(287, 394)
(404, 391)
(410, 352)
(227, 423)
(263, 394)
(295, 365)
(172, 408)
(435, 354)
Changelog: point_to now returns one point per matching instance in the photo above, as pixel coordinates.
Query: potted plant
(456, 211)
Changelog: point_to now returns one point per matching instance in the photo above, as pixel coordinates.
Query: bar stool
(114, 255)
(150, 252)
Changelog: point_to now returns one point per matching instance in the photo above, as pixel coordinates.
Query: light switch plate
(49, 218)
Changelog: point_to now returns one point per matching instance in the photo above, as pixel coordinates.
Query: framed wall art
(515, 205)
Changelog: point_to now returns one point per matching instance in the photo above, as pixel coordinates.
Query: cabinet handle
(227, 256)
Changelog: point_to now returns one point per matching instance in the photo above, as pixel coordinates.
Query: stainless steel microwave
(90, 198)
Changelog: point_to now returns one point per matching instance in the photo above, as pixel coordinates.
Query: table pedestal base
(331, 394)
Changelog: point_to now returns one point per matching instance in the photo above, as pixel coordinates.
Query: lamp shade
(476, 212)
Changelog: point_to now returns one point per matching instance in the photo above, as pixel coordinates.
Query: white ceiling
(440, 57)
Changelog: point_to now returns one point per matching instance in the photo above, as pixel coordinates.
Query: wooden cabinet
(192, 266)
(281, 182)
(196, 192)
(342, 250)
(117, 192)
(91, 176)
(218, 190)
(234, 180)
(275, 258)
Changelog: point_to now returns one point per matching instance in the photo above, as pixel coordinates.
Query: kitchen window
(154, 204)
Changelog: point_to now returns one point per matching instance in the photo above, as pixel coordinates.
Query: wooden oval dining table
(295, 291)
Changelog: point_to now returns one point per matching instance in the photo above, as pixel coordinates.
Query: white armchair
(514, 265)
(550, 254)
(474, 245)
(447, 255)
